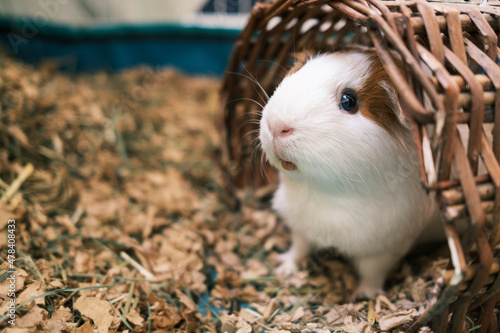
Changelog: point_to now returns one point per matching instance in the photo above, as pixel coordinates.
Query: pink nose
(280, 130)
(285, 132)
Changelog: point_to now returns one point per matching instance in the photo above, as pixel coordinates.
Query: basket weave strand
(450, 79)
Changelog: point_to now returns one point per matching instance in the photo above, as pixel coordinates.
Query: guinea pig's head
(332, 117)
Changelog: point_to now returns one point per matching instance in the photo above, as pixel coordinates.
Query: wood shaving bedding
(130, 225)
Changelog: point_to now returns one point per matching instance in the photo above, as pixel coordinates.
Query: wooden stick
(130, 293)
(16, 184)
(459, 80)
(447, 184)
(464, 99)
(453, 213)
(138, 267)
(467, 24)
(371, 313)
(77, 214)
(471, 271)
(464, 117)
(455, 196)
(430, 168)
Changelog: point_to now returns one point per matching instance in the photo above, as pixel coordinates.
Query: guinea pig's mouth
(289, 166)
(278, 153)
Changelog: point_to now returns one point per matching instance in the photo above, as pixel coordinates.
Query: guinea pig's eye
(349, 101)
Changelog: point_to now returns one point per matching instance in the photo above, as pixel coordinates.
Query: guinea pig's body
(348, 169)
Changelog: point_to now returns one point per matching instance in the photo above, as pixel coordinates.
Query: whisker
(252, 133)
(252, 122)
(245, 99)
(239, 116)
(254, 81)
(264, 167)
(256, 150)
(258, 154)
(257, 83)
(256, 114)
(249, 123)
(274, 62)
(263, 158)
(256, 142)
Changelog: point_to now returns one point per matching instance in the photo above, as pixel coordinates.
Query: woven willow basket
(450, 81)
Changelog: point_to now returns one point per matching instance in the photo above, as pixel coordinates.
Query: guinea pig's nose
(286, 131)
(281, 130)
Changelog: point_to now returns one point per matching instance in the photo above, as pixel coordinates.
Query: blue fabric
(204, 305)
(194, 50)
(228, 6)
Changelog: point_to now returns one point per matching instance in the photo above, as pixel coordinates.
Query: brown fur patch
(300, 59)
(379, 98)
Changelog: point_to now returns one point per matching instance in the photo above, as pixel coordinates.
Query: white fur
(356, 187)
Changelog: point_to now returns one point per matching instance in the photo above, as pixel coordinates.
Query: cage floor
(124, 221)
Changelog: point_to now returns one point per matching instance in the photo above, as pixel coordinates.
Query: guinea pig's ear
(394, 103)
(300, 58)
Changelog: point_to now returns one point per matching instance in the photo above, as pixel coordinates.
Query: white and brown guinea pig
(348, 169)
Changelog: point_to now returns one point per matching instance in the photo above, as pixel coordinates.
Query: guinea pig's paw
(366, 291)
(288, 266)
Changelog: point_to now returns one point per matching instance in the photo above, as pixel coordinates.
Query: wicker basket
(450, 80)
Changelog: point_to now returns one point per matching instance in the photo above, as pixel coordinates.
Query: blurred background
(194, 36)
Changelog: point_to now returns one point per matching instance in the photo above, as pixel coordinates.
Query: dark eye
(349, 101)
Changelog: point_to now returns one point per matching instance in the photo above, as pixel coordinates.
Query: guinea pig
(348, 168)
